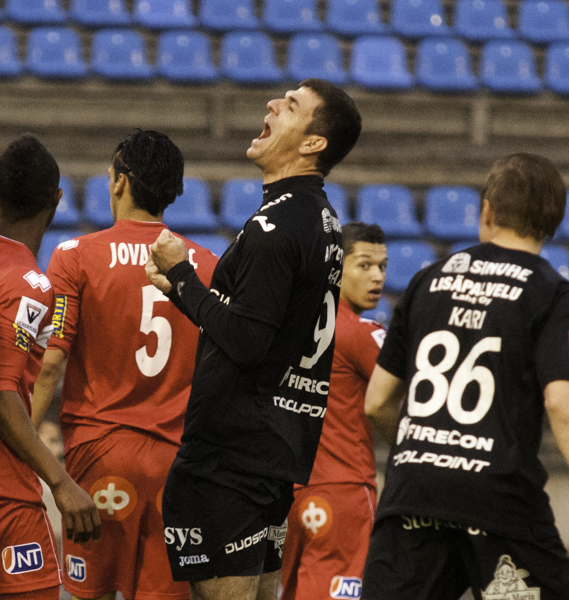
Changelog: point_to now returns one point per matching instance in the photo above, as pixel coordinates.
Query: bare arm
(46, 384)
(384, 395)
(78, 510)
(556, 396)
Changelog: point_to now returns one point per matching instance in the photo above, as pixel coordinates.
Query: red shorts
(29, 550)
(327, 541)
(125, 473)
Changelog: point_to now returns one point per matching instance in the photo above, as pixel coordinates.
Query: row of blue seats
(539, 21)
(406, 257)
(376, 62)
(450, 212)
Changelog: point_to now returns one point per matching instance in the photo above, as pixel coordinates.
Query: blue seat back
(35, 12)
(558, 257)
(96, 202)
(185, 56)
(100, 13)
(192, 211)
(418, 18)
(338, 198)
(541, 21)
(509, 67)
(10, 65)
(405, 259)
(291, 16)
(392, 207)
(355, 17)
(380, 63)
(556, 72)
(216, 243)
(315, 55)
(240, 198)
(249, 57)
(164, 14)
(55, 52)
(452, 212)
(444, 64)
(481, 20)
(67, 213)
(120, 54)
(223, 15)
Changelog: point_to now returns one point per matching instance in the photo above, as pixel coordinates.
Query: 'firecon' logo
(76, 568)
(23, 558)
(346, 587)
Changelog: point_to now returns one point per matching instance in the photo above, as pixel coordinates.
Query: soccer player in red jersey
(125, 389)
(29, 194)
(331, 519)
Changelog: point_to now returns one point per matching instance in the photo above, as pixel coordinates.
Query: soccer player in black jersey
(476, 352)
(264, 357)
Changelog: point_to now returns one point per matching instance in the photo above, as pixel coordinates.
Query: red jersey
(130, 350)
(345, 452)
(26, 308)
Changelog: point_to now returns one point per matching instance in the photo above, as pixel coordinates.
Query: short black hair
(29, 179)
(527, 194)
(337, 119)
(356, 231)
(154, 167)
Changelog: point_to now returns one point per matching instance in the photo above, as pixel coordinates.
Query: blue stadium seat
(509, 67)
(452, 212)
(240, 198)
(67, 214)
(35, 12)
(100, 13)
(51, 239)
(558, 257)
(10, 65)
(390, 206)
(338, 198)
(55, 52)
(164, 14)
(291, 16)
(355, 17)
(96, 202)
(381, 313)
(444, 65)
(316, 55)
(119, 54)
(542, 22)
(556, 72)
(192, 211)
(217, 244)
(562, 232)
(380, 63)
(224, 15)
(481, 20)
(185, 57)
(405, 259)
(418, 18)
(249, 57)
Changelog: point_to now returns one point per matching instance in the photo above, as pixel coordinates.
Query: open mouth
(375, 293)
(265, 133)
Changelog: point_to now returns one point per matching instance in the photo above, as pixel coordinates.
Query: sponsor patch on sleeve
(30, 314)
(59, 315)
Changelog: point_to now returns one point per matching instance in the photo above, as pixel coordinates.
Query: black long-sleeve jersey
(264, 357)
(476, 337)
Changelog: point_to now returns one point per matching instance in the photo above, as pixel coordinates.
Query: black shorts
(223, 523)
(420, 558)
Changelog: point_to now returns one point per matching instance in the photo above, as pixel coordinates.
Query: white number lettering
(465, 374)
(323, 337)
(152, 365)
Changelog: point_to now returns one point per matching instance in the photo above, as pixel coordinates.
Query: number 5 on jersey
(152, 365)
(452, 393)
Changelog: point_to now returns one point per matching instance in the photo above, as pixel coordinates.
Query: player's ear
(120, 184)
(486, 213)
(313, 144)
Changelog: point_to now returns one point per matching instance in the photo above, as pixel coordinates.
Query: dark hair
(356, 231)
(526, 194)
(29, 179)
(154, 167)
(337, 119)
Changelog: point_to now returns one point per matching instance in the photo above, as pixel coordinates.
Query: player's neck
(28, 232)
(272, 173)
(508, 238)
(133, 213)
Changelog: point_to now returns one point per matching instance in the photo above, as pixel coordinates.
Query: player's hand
(79, 513)
(167, 251)
(156, 278)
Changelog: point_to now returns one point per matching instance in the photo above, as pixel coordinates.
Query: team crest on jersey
(76, 568)
(22, 558)
(68, 245)
(508, 581)
(403, 429)
(277, 535)
(30, 314)
(458, 263)
(329, 222)
(346, 587)
(38, 280)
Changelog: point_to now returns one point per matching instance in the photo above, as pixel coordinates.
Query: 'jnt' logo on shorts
(346, 587)
(76, 568)
(23, 558)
